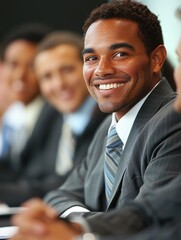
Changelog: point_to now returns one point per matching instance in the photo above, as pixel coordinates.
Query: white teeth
(110, 86)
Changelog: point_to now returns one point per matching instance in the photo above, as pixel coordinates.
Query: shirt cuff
(73, 209)
(87, 236)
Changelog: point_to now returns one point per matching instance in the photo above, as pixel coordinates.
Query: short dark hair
(32, 32)
(57, 38)
(149, 26)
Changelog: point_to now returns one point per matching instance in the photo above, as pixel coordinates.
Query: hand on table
(40, 221)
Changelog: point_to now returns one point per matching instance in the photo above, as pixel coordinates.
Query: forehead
(58, 56)
(62, 52)
(19, 45)
(20, 50)
(108, 30)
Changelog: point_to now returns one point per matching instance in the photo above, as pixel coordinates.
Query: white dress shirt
(21, 119)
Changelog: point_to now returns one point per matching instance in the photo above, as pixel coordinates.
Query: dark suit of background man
(58, 66)
(122, 71)
(17, 53)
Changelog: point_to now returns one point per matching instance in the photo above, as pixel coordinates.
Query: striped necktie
(112, 157)
(7, 135)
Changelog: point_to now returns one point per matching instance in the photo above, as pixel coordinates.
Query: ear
(158, 57)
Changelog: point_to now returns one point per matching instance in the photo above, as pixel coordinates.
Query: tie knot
(113, 140)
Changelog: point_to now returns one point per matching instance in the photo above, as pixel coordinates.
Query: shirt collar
(32, 111)
(124, 125)
(78, 120)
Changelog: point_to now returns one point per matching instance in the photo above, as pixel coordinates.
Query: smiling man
(123, 72)
(123, 58)
(116, 69)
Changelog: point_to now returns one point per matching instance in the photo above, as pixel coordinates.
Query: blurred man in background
(58, 66)
(59, 140)
(24, 123)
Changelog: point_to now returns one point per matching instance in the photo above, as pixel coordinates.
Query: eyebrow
(121, 45)
(112, 47)
(87, 50)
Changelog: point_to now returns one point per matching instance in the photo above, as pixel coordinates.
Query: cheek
(87, 72)
(45, 89)
(32, 80)
(32, 85)
(88, 85)
(7, 75)
(74, 79)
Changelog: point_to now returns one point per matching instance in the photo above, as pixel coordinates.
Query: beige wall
(165, 9)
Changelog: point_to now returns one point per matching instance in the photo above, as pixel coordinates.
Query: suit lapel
(95, 183)
(158, 98)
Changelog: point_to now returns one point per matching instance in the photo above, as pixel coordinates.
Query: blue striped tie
(112, 157)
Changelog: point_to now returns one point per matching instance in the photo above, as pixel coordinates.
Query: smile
(110, 86)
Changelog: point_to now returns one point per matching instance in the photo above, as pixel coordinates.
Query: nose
(104, 67)
(58, 81)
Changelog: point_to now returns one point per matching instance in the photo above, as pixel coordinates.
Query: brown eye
(90, 58)
(120, 54)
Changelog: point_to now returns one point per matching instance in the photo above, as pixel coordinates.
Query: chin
(107, 107)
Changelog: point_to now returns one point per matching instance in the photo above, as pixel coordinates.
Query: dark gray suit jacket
(155, 215)
(168, 232)
(151, 158)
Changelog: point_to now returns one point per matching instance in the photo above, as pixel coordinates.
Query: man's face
(117, 69)
(177, 77)
(18, 71)
(59, 71)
